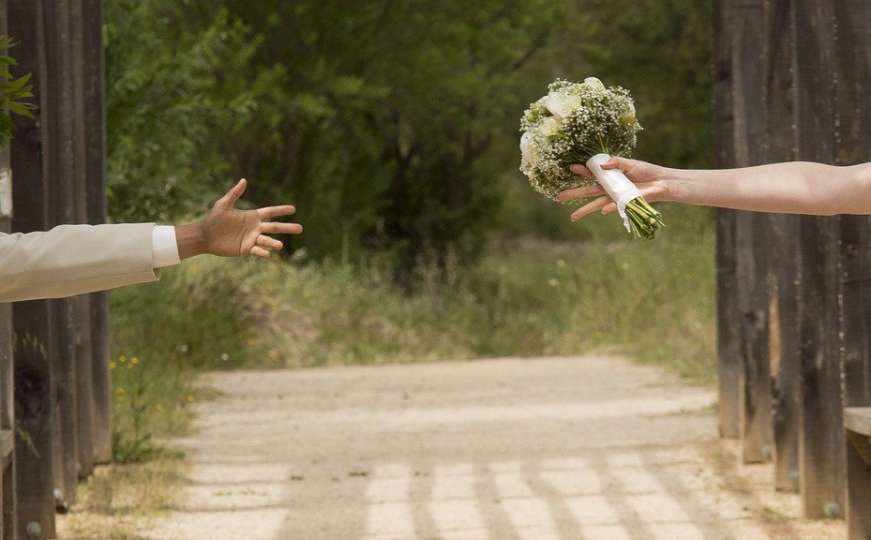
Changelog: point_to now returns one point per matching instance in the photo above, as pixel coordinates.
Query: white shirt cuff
(164, 246)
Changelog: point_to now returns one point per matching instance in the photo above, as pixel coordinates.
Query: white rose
(549, 126)
(560, 104)
(594, 83)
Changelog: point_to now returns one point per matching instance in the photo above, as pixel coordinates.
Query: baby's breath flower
(572, 123)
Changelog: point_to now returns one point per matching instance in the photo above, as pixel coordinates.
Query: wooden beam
(752, 232)
(61, 175)
(35, 391)
(780, 145)
(728, 339)
(82, 304)
(821, 438)
(95, 167)
(852, 144)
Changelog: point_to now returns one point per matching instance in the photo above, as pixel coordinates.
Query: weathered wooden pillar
(82, 303)
(852, 144)
(8, 497)
(61, 175)
(752, 233)
(95, 174)
(821, 440)
(35, 352)
(35, 392)
(780, 145)
(728, 336)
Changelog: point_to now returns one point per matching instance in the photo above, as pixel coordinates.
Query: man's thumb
(230, 198)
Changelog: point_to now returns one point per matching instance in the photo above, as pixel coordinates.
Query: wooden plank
(82, 320)
(821, 439)
(34, 378)
(61, 174)
(780, 145)
(859, 495)
(95, 167)
(8, 498)
(752, 231)
(858, 420)
(852, 144)
(728, 344)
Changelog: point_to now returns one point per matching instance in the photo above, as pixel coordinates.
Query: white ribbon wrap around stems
(615, 184)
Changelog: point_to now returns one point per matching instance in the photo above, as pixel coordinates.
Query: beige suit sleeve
(75, 259)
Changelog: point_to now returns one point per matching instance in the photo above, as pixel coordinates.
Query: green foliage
(14, 92)
(524, 298)
(177, 90)
(163, 334)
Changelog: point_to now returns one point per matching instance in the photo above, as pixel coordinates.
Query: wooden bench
(857, 424)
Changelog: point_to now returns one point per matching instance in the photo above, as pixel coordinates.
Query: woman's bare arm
(789, 188)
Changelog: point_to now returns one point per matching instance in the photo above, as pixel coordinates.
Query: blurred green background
(393, 126)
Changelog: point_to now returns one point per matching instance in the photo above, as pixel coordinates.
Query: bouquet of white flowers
(585, 123)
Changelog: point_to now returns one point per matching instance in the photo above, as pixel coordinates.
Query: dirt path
(563, 448)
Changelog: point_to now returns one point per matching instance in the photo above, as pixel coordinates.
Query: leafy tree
(392, 124)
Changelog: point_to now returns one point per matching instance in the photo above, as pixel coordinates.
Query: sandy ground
(588, 448)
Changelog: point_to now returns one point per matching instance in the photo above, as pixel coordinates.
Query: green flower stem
(644, 220)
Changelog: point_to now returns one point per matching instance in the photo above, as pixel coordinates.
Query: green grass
(653, 301)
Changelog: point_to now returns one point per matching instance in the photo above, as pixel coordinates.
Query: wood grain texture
(82, 304)
(61, 175)
(36, 404)
(780, 144)
(95, 174)
(728, 338)
(752, 233)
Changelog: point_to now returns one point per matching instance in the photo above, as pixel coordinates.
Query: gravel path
(591, 448)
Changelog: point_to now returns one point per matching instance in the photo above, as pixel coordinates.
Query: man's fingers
(258, 251)
(229, 199)
(589, 208)
(278, 227)
(269, 242)
(272, 212)
(580, 193)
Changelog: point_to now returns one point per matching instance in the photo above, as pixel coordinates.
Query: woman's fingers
(650, 194)
(581, 170)
(272, 212)
(258, 251)
(269, 243)
(590, 207)
(278, 227)
(580, 193)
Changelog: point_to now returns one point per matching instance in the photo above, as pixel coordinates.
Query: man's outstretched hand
(230, 232)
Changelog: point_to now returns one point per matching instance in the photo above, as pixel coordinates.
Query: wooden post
(8, 497)
(82, 304)
(61, 174)
(752, 231)
(95, 167)
(728, 340)
(35, 385)
(852, 144)
(780, 145)
(35, 392)
(821, 440)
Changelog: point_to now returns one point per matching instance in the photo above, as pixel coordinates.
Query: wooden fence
(792, 80)
(61, 380)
